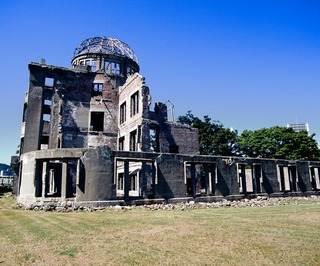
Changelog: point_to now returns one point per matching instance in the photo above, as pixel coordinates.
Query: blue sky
(248, 64)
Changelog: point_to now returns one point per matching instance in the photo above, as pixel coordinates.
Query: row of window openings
(250, 178)
(133, 181)
(96, 120)
(97, 88)
(134, 107)
(47, 110)
(201, 185)
(109, 67)
(135, 137)
(133, 141)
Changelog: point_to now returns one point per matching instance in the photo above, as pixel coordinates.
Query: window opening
(97, 121)
(52, 183)
(121, 144)
(49, 82)
(173, 148)
(133, 141)
(134, 104)
(315, 178)
(129, 71)
(73, 169)
(113, 67)
(200, 178)
(120, 181)
(97, 89)
(283, 178)
(47, 102)
(118, 69)
(133, 182)
(257, 177)
(94, 66)
(123, 110)
(53, 179)
(46, 117)
(154, 139)
(44, 142)
(245, 178)
(107, 67)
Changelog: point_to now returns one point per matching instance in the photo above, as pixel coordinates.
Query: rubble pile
(260, 201)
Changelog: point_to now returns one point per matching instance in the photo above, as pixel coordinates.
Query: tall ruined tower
(77, 107)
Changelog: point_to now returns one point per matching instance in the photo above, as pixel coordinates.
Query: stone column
(64, 175)
(207, 179)
(126, 181)
(44, 178)
(193, 180)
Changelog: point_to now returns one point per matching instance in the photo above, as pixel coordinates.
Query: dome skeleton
(105, 45)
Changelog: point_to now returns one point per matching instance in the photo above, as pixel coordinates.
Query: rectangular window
(154, 138)
(97, 121)
(49, 82)
(52, 184)
(315, 177)
(134, 104)
(113, 67)
(133, 182)
(87, 63)
(120, 181)
(107, 67)
(47, 102)
(123, 110)
(118, 69)
(46, 110)
(94, 66)
(283, 178)
(121, 144)
(97, 87)
(46, 117)
(44, 142)
(133, 142)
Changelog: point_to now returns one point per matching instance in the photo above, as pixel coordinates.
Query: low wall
(103, 175)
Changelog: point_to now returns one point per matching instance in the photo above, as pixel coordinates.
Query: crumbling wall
(106, 102)
(177, 138)
(97, 181)
(134, 118)
(165, 176)
(170, 177)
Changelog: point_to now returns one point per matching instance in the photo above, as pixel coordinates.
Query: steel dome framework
(107, 46)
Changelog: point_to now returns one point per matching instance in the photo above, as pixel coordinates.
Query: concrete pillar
(207, 179)
(44, 178)
(243, 178)
(154, 173)
(64, 180)
(213, 178)
(126, 181)
(143, 181)
(193, 180)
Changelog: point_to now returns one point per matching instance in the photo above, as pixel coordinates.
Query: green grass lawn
(275, 235)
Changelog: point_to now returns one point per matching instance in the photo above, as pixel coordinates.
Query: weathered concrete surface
(97, 182)
(97, 177)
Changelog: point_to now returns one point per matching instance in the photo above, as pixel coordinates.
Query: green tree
(279, 143)
(214, 139)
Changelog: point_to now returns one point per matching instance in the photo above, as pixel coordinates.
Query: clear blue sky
(248, 64)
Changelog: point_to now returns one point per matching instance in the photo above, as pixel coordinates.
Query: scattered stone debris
(260, 201)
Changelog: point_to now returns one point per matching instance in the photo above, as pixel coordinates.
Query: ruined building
(90, 135)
